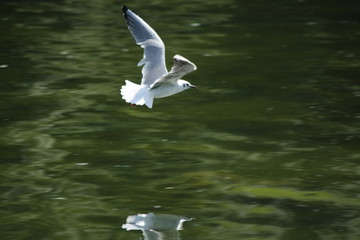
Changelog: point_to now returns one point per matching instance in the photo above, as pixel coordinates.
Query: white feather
(156, 82)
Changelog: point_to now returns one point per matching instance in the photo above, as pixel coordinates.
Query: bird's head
(185, 84)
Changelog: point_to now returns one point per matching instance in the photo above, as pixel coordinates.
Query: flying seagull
(156, 81)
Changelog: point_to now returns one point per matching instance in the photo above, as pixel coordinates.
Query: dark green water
(266, 148)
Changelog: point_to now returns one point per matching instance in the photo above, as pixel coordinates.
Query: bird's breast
(165, 90)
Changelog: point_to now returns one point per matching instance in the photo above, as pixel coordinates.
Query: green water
(266, 148)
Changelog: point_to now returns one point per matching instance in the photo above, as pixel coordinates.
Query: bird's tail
(136, 94)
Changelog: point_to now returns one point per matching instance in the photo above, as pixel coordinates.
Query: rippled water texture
(266, 148)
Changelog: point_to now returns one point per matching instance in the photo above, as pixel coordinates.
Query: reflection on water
(156, 227)
(266, 149)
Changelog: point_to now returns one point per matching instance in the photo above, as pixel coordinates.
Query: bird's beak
(193, 86)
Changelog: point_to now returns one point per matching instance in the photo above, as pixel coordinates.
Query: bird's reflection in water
(156, 227)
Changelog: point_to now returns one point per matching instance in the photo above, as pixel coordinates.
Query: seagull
(156, 81)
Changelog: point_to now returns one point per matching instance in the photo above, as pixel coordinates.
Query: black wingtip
(124, 8)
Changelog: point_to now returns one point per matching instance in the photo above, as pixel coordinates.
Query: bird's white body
(157, 82)
(143, 94)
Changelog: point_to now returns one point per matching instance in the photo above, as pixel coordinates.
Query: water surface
(266, 148)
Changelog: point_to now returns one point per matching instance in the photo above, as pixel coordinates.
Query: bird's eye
(186, 85)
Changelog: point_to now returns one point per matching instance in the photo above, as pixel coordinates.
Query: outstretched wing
(181, 67)
(154, 48)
